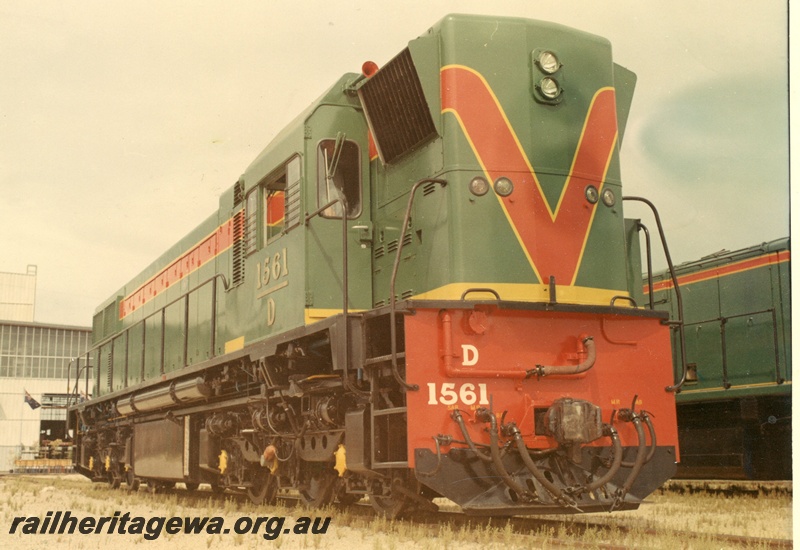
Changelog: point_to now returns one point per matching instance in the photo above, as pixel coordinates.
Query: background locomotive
(421, 287)
(734, 410)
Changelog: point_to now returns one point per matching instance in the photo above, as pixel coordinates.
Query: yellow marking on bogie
(223, 461)
(341, 460)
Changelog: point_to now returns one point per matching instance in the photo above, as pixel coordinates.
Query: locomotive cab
(337, 165)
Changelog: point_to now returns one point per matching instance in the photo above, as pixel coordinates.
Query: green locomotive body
(734, 410)
(463, 197)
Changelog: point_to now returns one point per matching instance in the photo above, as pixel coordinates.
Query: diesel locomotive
(422, 287)
(735, 406)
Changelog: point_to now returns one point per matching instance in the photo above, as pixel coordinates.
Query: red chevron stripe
(553, 239)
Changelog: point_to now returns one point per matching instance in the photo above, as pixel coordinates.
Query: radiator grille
(396, 108)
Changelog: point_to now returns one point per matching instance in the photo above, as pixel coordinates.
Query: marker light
(591, 194)
(548, 62)
(609, 199)
(549, 87)
(479, 186)
(503, 187)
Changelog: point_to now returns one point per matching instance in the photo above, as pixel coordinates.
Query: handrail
(649, 257)
(345, 298)
(225, 285)
(161, 311)
(487, 290)
(392, 299)
(723, 320)
(678, 298)
(78, 369)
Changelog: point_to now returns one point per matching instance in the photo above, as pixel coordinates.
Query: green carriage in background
(734, 409)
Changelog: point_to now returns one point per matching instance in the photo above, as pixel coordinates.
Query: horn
(369, 68)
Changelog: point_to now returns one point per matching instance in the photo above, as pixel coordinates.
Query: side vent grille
(109, 366)
(396, 108)
(391, 246)
(407, 294)
(238, 193)
(379, 252)
(237, 269)
(428, 188)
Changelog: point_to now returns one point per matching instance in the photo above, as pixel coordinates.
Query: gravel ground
(35, 496)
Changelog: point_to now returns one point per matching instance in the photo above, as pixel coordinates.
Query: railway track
(571, 533)
(727, 487)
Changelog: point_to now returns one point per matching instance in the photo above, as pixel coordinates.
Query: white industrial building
(18, 295)
(34, 362)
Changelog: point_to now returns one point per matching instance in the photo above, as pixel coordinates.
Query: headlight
(549, 87)
(609, 199)
(479, 186)
(591, 194)
(548, 62)
(503, 187)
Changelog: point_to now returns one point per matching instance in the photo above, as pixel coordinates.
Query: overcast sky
(122, 122)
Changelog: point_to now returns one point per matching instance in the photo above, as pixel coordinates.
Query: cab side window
(273, 206)
(336, 179)
(274, 213)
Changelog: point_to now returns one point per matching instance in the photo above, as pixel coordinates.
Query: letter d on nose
(470, 357)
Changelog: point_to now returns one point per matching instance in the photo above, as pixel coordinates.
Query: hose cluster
(564, 495)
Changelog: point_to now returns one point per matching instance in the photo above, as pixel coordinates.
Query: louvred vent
(237, 268)
(396, 109)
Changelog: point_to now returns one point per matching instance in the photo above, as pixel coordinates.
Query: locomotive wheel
(191, 487)
(318, 491)
(132, 481)
(264, 489)
(217, 488)
(391, 507)
(114, 480)
(395, 504)
(343, 497)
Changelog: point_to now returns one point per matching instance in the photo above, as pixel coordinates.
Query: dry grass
(649, 527)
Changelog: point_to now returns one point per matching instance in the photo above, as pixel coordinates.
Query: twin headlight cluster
(607, 196)
(502, 186)
(545, 80)
(547, 90)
